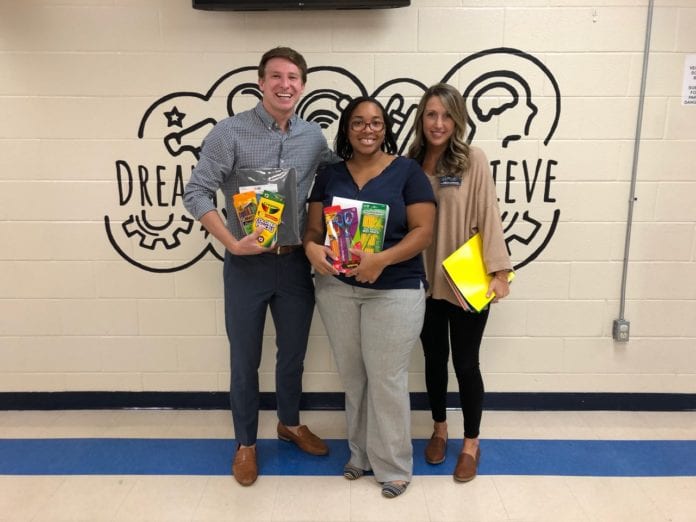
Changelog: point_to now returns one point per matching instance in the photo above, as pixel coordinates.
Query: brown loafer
(467, 467)
(436, 450)
(244, 466)
(305, 440)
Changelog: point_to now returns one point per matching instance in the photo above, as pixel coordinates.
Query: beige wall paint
(76, 77)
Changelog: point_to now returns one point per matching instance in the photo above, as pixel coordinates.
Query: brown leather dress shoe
(305, 440)
(467, 467)
(436, 450)
(244, 466)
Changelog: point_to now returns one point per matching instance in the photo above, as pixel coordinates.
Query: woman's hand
(313, 242)
(370, 267)
(499, 286)
(317, 255)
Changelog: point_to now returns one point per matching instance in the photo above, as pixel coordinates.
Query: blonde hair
(454, 161)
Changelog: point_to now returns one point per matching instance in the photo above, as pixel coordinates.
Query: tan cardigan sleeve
(495, 251)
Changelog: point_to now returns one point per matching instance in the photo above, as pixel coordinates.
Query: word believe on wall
(514, 106)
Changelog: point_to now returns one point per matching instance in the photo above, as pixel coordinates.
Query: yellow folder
(465, 271)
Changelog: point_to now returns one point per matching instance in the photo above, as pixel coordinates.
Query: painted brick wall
(78, 76)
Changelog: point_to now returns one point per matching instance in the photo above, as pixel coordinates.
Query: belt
(284, 249)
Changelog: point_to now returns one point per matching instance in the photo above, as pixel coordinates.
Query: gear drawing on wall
(150, 234)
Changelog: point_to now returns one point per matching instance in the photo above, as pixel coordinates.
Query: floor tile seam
(124, 497)
(424, 499)
(49, 498)
(40, 506)
(200, 498)
(38, 517)
(658, 509)
(588, 516)
(429, 505)
(499, 495)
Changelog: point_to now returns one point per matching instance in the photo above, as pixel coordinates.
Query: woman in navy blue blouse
(373, 312)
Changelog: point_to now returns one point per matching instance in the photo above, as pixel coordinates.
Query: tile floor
(494, 498)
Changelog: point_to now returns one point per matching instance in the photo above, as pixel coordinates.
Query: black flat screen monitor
(279, 5)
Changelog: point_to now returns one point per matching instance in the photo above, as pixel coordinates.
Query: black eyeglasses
(358, 125)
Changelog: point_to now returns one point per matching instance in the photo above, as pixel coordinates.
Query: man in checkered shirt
(270, 135)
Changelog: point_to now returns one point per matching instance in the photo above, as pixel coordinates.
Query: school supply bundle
(265, 211)
(272, 180)
(352, 223)
(466, 274)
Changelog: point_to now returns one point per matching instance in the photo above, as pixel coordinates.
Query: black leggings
(465, 332)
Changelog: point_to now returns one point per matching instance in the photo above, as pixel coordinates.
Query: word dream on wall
(512, 100)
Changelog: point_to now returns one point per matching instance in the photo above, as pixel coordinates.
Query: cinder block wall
(105, 285)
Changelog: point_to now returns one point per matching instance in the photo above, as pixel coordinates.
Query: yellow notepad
(465, 271)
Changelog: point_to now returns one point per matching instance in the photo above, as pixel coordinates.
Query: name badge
(450, 181)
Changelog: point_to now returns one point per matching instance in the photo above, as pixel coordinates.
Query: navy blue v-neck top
(400, 184)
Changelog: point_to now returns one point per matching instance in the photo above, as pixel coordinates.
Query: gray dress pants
(372, 333)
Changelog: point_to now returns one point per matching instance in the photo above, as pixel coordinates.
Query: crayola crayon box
(269, 212)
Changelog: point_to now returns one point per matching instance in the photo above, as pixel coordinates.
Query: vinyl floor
(173, 465)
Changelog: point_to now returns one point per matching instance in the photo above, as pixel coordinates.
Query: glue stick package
(268, 215)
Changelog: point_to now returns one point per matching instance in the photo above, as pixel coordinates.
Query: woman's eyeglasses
(358, 125)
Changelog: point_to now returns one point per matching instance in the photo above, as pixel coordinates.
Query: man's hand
(249, 245)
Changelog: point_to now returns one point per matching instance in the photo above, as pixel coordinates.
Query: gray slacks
(372, 333)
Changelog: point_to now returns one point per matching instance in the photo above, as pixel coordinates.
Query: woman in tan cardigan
(467, 203)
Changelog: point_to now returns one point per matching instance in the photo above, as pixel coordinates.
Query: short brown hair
(286, 53)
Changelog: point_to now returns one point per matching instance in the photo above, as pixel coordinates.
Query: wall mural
(514, 106)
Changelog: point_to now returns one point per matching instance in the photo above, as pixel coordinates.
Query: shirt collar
(268, 120)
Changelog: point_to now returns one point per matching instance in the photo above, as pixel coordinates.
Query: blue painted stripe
(610, 458)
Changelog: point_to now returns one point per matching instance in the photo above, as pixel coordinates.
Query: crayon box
(268, 216)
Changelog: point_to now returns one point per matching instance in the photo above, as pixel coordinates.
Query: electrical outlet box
(620, 330)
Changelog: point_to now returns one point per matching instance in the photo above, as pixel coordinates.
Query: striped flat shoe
(393, 489)
(351, 472)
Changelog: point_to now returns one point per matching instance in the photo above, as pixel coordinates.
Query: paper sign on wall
(689, 88)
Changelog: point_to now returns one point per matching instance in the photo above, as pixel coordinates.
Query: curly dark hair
(342, 144)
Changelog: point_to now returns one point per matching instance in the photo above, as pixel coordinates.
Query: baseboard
(522, 401)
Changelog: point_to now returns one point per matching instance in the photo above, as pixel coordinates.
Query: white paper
(271, 187)
(689, 87)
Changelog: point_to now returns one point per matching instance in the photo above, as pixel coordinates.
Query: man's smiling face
(282, 87)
